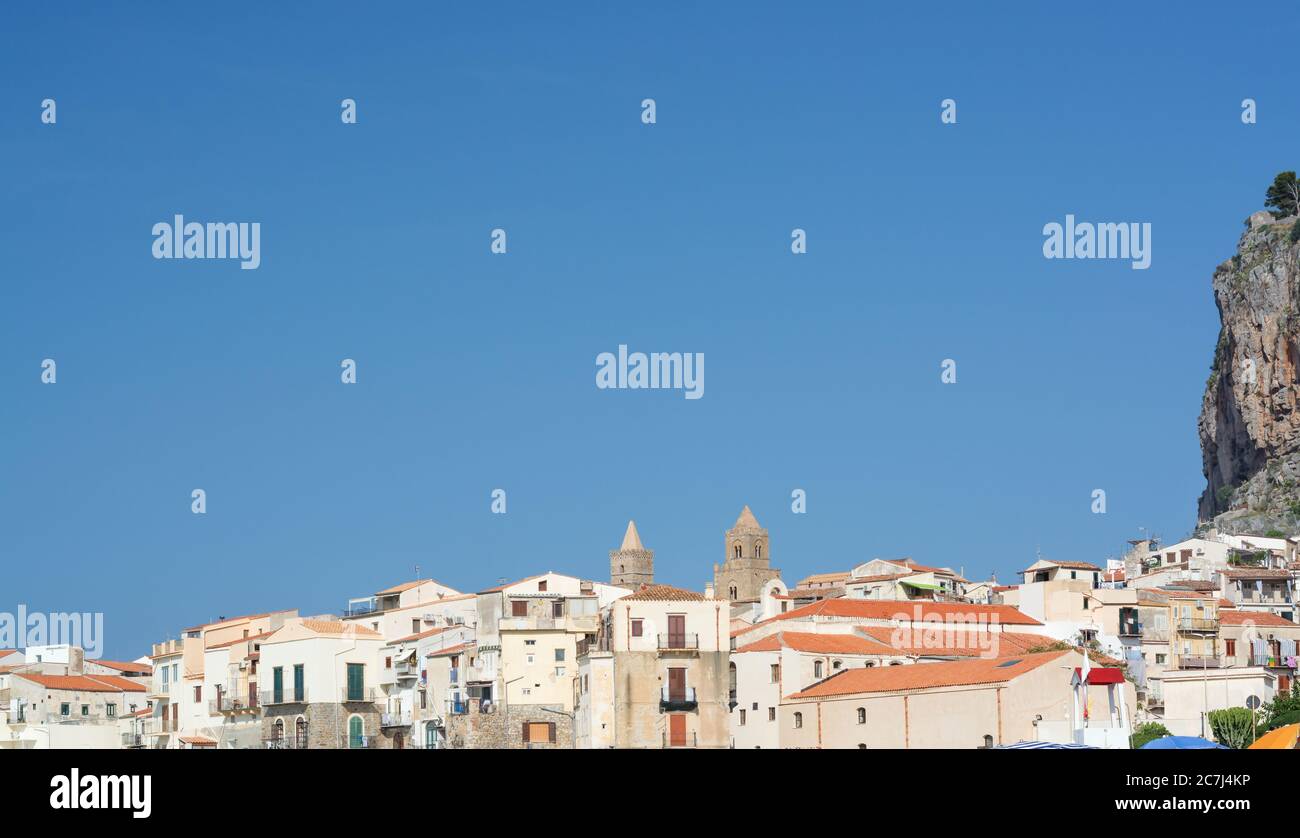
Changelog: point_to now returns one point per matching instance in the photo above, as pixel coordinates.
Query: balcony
(292, 695)
(402, 719)
(362, 695)
(1198, 625)
(457, 707)
(670, 701)
(407, 669)
(1197, 662)
(1127, 629)
(132, 740)
(233, 702)
(687, 643)
(453, 676)
(283, 743)
(159, 727)
(1271, 661)
(690, 740)
(361, 607)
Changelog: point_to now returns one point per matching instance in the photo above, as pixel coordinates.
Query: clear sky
(477, 371)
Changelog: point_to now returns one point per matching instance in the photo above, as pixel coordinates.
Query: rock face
(1250, 422)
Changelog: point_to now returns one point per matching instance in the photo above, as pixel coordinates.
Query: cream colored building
(66, 711)
(656, 675)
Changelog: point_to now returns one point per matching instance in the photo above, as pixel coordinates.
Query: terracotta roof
(339, 627)
(663, 593)
(420, 636)
(228, 620)
(510, 584)
(910, 610)
(258, 636)
(1066, 565)
(197, 740)
(956, 643)
(820, 593)
(450, 650)
(878, 577)
(84, 683)
(922, 676)
(1174, 593)
(1256, 573)
(822, 577)
(405, 586)
(125, 666)
(820, 644)
(1259, 618)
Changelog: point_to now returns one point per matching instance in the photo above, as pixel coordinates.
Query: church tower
(631, 565)
(746, 568)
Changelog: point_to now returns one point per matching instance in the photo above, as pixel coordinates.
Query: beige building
(66, 711)
(976, 703)
(410, 608)
(656, 675)
(747, 566)
(319, 686)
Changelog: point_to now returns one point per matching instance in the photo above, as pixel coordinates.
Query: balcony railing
(395, 719)
(359, 608)
(683, 642)
(132, 740)
(683, 699)
(1198, 624)
(1130, 629)
(457, 708)
(363, 695)
(1273, 661)
(283, 743)
(160, 727)
(291, 695)
(690, 740)
(231, 702)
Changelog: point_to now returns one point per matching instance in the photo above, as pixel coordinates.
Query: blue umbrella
(1181, 743)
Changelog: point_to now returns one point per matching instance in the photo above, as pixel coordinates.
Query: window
(530, 642)
(110, 710)
(539, 733)
(1085, 603)
(300, 733)
(636, 628)
(758, 550)
(735, 550)
(836, 664)
(776, 673)
(85, 709)
(557, 608)
(65, 709)
(862, 715)
(198, 693)
(742, 718)
(771, 714)
(299, 683)
(278, 730)
(1160, 658)
(1074, 575)
(277, 685)
(518, 608)
(798, 720)
(530, 659)
(559, 655)
(817, 669)
(356, 682)
(388, 663)
(356, 728)
(415, 626)
(541, 586)
(1230, 648)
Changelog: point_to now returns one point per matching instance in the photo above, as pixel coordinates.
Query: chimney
(708, 590)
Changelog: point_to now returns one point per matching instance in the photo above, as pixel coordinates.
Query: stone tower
(631, 565)
(746, 568)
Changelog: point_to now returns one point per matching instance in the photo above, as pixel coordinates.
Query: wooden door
(676, 631)
(677, 730)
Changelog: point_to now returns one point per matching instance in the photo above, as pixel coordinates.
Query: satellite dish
(1252, 701)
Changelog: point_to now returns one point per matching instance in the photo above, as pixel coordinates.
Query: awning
(1102, 675)
(925, 586)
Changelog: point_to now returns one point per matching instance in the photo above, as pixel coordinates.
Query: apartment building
(409, 718)
(66, 711)
(411, 608)
(657, 674)
(319, 686)
(978, 703)
(1261, 639)
(1261, 589)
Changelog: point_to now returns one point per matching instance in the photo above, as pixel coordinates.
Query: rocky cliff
(1250, 420)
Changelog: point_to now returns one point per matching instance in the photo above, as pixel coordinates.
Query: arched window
(798, 720)
(278, 731)
(836, 664)
(300, 733)
(356, 733)
(817, 669)
(988, 741)
(735, 550)
(862, 715)
(870, 664)
(733, 592)
(758, 550)
(862, 746)
(430, 736)
(731, 676)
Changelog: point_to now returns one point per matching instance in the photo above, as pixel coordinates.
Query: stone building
(631, 565)
(746, 569)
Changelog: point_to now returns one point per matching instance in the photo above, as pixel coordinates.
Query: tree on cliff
(1283, 198)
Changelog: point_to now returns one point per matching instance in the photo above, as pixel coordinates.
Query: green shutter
(298, 678)
(354, 725)
(356, 682)
(277, 688)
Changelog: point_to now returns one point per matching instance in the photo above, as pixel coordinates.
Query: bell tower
(631, 565)
(747, 564)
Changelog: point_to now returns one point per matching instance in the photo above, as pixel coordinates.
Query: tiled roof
(878, 577)
(664, 593)
(420, 636)
(910, 610)
(125, 666)
(1259, 618)
(198, 740)
(1256, 573)
(405, 586)
(1066, 565)
(241, 640)
(339, 627)
(819, 644)
(921, 676)
(1175, 593)
(817, 578)
(84, 683)
(499, 588)
(229, 620)
(941, 642)
(450, 650)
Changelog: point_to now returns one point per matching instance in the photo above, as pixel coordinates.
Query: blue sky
(476, 371)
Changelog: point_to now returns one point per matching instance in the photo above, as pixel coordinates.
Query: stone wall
(327, 724)
(504, 728)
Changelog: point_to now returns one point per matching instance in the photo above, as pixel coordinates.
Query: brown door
(677, 730)
(677, 685)
(676, 631)
(399, 741)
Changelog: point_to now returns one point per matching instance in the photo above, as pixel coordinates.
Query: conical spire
(631, 539)
(747, 521)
